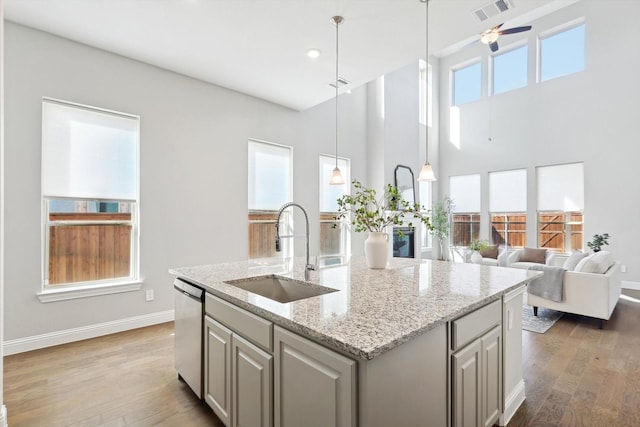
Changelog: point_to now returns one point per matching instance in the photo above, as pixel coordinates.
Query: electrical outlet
(623, 268)
(149, 295)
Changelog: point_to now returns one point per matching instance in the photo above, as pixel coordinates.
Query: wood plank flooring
(575, 375)
(125, 379)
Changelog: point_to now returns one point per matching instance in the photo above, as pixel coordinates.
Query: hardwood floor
(579, 375)
(125, 379)
(575, 375)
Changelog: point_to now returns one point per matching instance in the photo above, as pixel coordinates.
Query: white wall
(193, 168)
(589, 117)
(3, 409)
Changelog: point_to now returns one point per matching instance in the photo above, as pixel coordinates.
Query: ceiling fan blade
(515, 30)
(493, 46)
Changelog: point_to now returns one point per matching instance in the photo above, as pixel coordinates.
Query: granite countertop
(374, 310)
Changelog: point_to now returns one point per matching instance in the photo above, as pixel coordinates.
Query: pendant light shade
(427, 173)
(336, 176)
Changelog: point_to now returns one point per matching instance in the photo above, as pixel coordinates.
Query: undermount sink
(281, 289)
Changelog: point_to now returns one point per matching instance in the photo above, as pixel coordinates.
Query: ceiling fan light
(336, 177)
(489, 37)
(426, 173)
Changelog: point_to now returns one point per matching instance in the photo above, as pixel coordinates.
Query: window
(467, 84)
(562, 53)
(426, 90)
(510, 70)
(334, 235)
(90, 195)
(560, 206)
(465, 192)
(508, 207)
(270, 187)
(425, 189)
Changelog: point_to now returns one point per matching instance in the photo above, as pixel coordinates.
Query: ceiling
(258, 47)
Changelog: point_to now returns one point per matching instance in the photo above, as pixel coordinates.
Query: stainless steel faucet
(308, 266)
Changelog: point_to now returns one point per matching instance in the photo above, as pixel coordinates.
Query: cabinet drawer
(248, 325)
(471, 326)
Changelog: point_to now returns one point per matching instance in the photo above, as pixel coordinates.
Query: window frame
(545, 35)
(567, 230)
(452, 79)
(506, 51)
(88, 288)
(507, 232)
(473, 224)
(325, 216)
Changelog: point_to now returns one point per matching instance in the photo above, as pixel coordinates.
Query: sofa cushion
(573, 260)
(523, 265)
(597, 263)
(533, 255)
(490, 251)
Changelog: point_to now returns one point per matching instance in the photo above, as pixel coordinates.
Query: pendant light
(426, 174)
(336, 176)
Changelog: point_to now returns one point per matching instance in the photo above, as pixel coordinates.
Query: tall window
(270, 186)
(508, 207)
(89, 195)
(510, 70)
(465, 192)
(562, 53)
(425, 189)
(334, 235)
(467, 84)
(560, 206)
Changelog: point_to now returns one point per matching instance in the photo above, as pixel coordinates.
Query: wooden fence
(89, 250)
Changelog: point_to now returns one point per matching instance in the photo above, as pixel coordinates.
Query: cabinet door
(217, 369)
(313, 386)
(491, 376)
(252, 400)
(467, 386)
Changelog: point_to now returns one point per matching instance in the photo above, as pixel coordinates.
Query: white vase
(376, 249)
(476, 258)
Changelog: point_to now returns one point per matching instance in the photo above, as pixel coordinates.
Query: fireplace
(403, 246)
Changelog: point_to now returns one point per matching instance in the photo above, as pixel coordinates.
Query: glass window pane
(510, 70)
(562, 53)
(329, 194)
(509, 229)
(467, 84)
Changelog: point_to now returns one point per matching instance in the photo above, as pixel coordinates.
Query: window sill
(86, 291)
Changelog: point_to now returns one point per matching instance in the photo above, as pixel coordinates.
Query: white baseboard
(512, 403)
(36, 342)
(630, 285)
(3, 417)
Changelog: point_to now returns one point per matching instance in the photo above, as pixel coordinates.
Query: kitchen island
(409, 341)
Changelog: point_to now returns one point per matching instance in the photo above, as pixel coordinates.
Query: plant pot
(376, 249)
(476, 258)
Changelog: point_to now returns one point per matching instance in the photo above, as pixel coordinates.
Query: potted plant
(478, 246)
(440, 221)
(368, 212)
(599, 240)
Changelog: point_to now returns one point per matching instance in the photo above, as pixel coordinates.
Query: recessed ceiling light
(313, 53)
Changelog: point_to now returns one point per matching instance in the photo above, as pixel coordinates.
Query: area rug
(541, 323)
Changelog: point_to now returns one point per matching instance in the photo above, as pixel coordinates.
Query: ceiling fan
(490, 36)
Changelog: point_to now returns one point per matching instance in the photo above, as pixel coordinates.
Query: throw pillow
(597, 263)
(573, 260)
(533, 255)
(490, 252)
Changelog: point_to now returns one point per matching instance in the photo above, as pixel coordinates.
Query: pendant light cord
(426, 82)
(337, 21)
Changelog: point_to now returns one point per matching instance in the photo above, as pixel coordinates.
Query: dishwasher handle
(188, 289)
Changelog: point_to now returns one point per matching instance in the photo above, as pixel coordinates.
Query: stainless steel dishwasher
(188, 334)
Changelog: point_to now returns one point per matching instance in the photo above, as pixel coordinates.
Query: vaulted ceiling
(259, 47)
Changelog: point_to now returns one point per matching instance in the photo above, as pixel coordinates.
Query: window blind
(270, 175)
(561, 187)
(465, 192)
(88, 152)
(508, 191)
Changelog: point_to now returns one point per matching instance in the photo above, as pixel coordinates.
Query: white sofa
(514, 259)
(587, 294)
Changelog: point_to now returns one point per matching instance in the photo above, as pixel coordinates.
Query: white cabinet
(252, 400)
(313, 386)
(238, 373)
(476, 367)
(217, 369)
